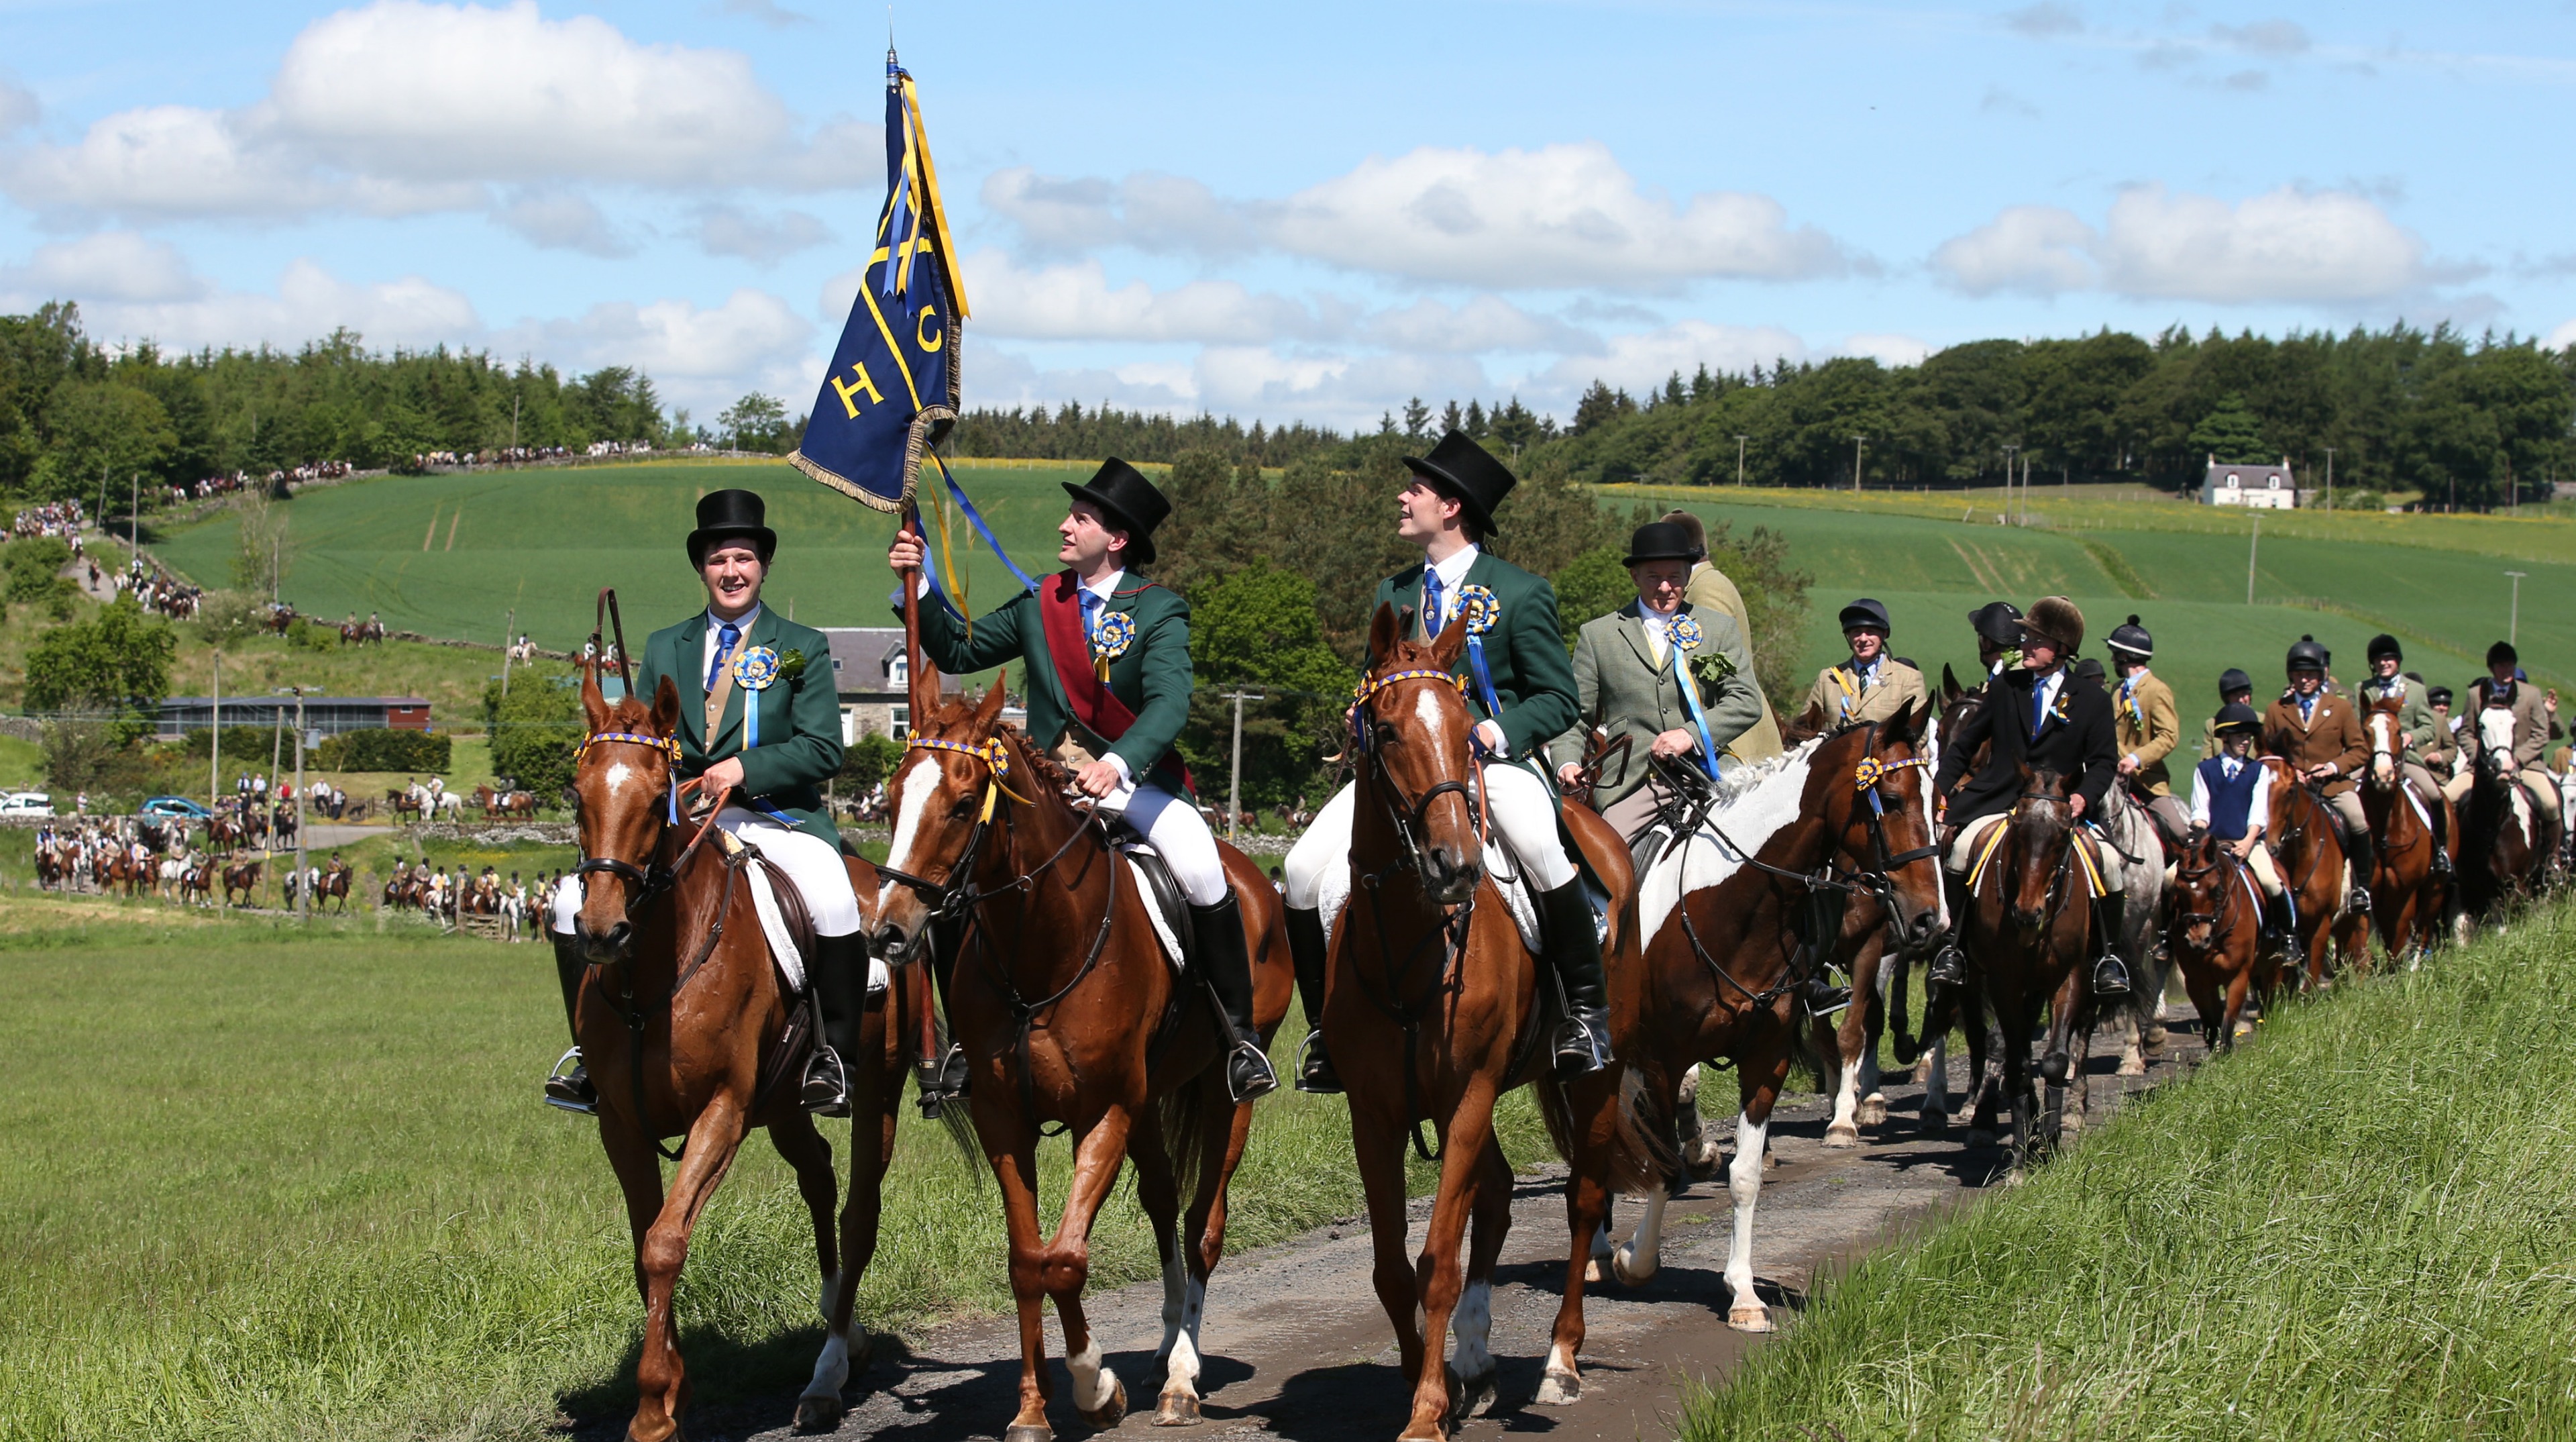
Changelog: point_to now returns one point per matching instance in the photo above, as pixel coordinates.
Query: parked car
(167, 806)
(26, 803)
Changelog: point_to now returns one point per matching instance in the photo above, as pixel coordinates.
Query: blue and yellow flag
(893, 388)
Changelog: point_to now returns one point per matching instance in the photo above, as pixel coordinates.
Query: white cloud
(2047, 20)
(2562, 337)
(403, 107)
(1484, 324)
(703, 357)
(1888, 350)
(1557, 217)
(18, 106)
(2036, 248)
(1076, 302)
(1645, 358)
(2324, 247)
(166, 303)
(763, 240)
(113, 265)
(562, 220)
(769, 13)
(2263, 37)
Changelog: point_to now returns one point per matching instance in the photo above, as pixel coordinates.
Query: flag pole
(911, 583)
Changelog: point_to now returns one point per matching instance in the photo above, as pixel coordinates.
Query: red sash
(1089, 697)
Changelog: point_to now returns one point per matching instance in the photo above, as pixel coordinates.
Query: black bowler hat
(1660, 541)
(1998, 623)
(1132, 504)
(1866, 612)
(732, 513)
(1466, 473)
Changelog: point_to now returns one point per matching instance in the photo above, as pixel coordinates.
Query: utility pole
(509, 630)
(1739, 458)
(2009, 453)
(1858, 442)
(134, 520)
(1234, 787)
(2330, 477)
(215, 741)
(2252, 549)
(514, 419)
(2513, 617)
(276, 744)
(303, 883)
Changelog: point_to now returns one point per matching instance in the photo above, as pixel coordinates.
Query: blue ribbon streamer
(1699, 718)
(1484, 679)
(975, 518)
(750, 715)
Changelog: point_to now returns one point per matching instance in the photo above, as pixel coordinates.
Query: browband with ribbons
(995, 756)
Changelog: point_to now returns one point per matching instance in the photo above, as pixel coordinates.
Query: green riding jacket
(800, 714)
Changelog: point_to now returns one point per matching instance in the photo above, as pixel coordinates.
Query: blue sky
(1308, 211)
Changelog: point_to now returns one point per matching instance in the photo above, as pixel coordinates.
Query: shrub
(229, 616)
(304, 635)
(869, 760)
(534, 730)
(33, 565)
(384, 749)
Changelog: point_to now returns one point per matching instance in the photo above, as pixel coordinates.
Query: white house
(2259, 486)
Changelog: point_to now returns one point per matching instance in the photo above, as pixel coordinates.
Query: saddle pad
(1166, 926)
(782, 944)
(1336, 890)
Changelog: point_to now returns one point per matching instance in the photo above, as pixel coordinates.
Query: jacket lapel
(692, 659)
(1633, 617)
(1408, 596)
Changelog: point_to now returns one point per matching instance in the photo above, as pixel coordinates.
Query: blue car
(168, 806)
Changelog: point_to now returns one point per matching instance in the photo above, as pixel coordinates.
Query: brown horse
(684, 1022)
(241, 876)
(2410, 901)
(2309, 852)
(1435, 1006)
(1739, 913)
(2215, 934)
(1070, 1012)
(2029, 937)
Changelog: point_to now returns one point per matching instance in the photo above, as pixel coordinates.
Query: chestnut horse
(2506, 840)
(1735, 915)
(1435, 1007)
(687, 1030)
(2029, 937)
(2316, 876)
(2410, 901)
(2215, 935)
(1070, 1012)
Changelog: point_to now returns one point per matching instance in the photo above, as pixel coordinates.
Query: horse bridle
(647, 883)
(1409, 815)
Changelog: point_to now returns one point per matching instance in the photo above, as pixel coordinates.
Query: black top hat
(1998, 623)
(2133, 639)
(2237, 716)
(1130, 501)
(1660, 541)
(1466, 473)
(2233, 679)
(1865, 612)
(732, 513)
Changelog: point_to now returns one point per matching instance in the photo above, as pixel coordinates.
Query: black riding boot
(1315, 1072)
(1950, 965)
(1218, 931)
(1573, 950)
(2110, 974)
(2361, 859)
(570, 1090)
(839, 976)
(2441, 826)
(944, 1080)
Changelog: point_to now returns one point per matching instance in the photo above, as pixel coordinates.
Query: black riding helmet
(2233, 679)
(2383, 647)
(2307, 654)
(2131, 639)
(1998, 624)
(2237, 716)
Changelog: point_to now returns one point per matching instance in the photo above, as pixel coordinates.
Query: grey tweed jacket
(1622, 691)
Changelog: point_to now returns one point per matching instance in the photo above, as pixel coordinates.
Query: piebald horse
(2506, 840)
(1736, 914)
(686, 1028)
(1070, 1012)
(1434, 1006)
(2410, 901)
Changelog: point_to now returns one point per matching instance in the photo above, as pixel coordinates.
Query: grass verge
(257, 1184)
(2358, 1225)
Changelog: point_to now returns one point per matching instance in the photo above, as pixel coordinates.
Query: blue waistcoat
(2230, 802)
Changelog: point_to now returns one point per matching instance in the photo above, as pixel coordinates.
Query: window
(899, 722)
(2232, 482)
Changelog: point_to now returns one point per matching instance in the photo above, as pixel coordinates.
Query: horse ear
(1805, 726)
(594, 705)
(1905, 723)
(990, 710)
(1949, 684)
(666, 708)
(1451, 642)
(1385, 629)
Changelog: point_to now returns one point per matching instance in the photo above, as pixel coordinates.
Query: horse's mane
(1740, 783)
(1049, 770)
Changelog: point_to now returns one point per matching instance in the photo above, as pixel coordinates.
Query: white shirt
(1453, 574)
(2258, 813)
(715, 624)
(1104, 588)
(2045, 689)
(1659, 630)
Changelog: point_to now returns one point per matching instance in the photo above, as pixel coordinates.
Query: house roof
(863, 659)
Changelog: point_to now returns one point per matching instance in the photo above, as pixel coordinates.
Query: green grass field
(261, 1185)
(2359, 1225)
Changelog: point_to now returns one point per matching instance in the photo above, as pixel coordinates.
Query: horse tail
(1178, 1113)
(1645, 1156)
(954, 1119)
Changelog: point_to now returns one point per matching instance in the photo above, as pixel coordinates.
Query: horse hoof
(1933, 1121)
(1842, 1134)
(1470, 1396)
(1559, 1389)
(1027, 1432)
(1178, 1409)
(1631, 1270)
(819, 1413)
(1110, 1415)
(1872, 1113)
(1980, 1137)
(1592, 1274)
(2133, 1066)
(1751, 1317)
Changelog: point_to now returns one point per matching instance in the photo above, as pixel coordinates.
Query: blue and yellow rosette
(1686, 636)
(754, 670)
(1110, 639)
(1481, 609)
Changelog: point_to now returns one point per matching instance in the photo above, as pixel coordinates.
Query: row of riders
(1058, 942)
(452, 893)
(140, 857)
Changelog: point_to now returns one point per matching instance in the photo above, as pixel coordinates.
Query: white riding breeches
(1517, 804)
(1972, 840)
(811, 862)
(1174, 828)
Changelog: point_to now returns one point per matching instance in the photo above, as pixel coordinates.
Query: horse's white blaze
(920, 782)
(831, 1369)
(1093, 1384)
(1426, 710)
(1930, 768)
(2495, 728)
(1642, 1257)
(1744, 1184)
(1771, 797)
(1473, 1323)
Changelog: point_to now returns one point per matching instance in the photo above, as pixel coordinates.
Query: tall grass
(255, 1185)
(2361, 1224)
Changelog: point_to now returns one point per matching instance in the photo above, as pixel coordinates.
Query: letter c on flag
(921, 331)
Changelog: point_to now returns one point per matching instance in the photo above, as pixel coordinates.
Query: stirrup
(1949, 967)
(571, 1090)
(948, 1085)
(2360, 899)
(1580, 1050)
(2116, 972)
(1315, 1074)
(1247, 1056)
(826, 1090)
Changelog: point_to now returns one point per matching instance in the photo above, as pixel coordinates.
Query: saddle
(1164, 901)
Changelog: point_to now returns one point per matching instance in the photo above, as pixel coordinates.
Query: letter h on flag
(893, 388)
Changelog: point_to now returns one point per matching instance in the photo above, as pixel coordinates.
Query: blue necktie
(2038, 707)
(1430, 603)
(726, 635)
(1091, 618)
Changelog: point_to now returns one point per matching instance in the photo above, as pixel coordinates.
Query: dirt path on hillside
(1297, 1346)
